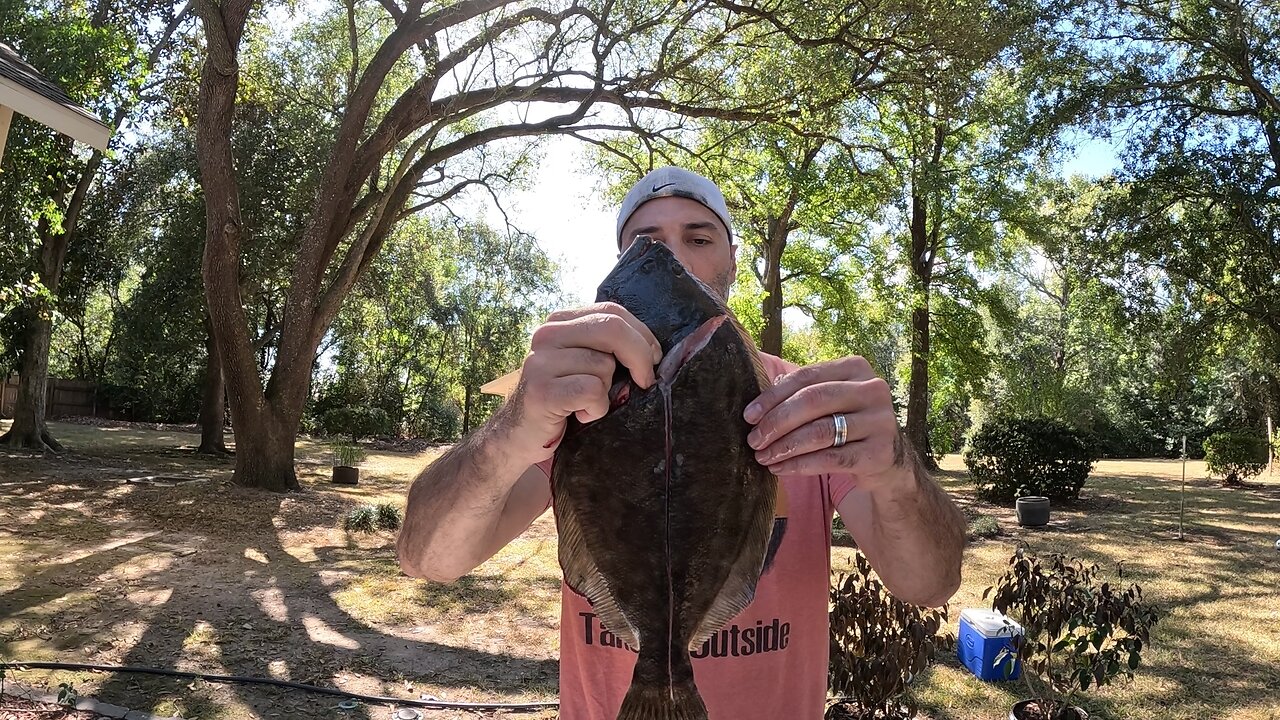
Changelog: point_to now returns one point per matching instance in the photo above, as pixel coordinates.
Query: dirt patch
(209, 577)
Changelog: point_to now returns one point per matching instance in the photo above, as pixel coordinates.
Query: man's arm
(910, 531)
(469, 504)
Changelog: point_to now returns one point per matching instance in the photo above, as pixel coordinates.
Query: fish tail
(659, 694)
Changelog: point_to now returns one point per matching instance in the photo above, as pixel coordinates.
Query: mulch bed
(409, 445)
(128, 425)
(14, 708)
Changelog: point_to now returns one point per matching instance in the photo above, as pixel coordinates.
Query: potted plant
(346, 457)
(1078, 631)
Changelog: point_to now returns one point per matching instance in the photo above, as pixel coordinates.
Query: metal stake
(1182, 497)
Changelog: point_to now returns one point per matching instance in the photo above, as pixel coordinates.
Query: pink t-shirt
(769, 662)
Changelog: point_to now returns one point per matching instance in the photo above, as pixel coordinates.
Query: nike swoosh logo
(657, 188)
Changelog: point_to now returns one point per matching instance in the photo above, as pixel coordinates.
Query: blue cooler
(983, 634)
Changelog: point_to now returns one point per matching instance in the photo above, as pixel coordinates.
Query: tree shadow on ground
(242, 604)
(283, 603)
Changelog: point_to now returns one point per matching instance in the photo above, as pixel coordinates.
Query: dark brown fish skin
(652, 284)
(667, 552)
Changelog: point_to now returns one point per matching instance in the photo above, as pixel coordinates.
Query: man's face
(692, 233)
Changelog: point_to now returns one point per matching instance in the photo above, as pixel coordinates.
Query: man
(828, 431)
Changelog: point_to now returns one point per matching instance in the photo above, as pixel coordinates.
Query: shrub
(1236, 456)
(371, 518)
(388, 516)
(362, 519)
(356, 422)
(1009, 458)
(438, 419)
(878, 643)
(1106, 439)
(174, 399)
(1077, 630)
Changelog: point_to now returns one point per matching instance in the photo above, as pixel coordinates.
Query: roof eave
(78, 126)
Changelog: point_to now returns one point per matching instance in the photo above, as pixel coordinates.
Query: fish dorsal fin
(582, 575)
(739, 587)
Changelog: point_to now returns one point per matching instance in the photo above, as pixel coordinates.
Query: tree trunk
(29, 429)
(777, 231)
(466, 410)
(918, 390)
(264, 451)
(925, 242)
(1064, 325)
(771, 305)
(264, 437)
(212, 405)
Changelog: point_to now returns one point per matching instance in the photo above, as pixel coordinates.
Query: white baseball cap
(672, 181)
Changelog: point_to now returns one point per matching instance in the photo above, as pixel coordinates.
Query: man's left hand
(795, 429)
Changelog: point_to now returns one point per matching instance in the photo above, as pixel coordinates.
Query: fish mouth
(675, 359)
(639, 247)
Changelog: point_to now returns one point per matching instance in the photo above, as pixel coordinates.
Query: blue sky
(1093, 158)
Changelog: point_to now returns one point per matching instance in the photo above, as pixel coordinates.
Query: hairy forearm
(455, 504)
(917, 535)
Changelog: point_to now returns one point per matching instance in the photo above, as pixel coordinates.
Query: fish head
(652, 284)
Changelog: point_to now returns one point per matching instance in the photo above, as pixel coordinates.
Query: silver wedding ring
(842, 430)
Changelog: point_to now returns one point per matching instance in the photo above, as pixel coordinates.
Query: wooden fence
(63, 398)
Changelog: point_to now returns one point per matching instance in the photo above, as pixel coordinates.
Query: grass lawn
(206, 576)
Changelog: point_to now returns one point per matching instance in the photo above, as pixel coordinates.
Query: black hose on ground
(371, 699)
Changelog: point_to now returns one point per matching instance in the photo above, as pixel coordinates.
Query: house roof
(503, 386)
(24, 89)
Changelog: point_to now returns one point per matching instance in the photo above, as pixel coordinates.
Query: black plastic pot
(346, 475)
(1033, 511)
(1019, 708)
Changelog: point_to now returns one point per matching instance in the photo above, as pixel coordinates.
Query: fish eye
(678, 271)
(647, 265)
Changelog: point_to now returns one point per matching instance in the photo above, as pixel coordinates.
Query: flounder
(663, 514)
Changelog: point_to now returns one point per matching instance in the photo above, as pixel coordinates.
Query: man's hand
(902, 520)
(569, 370)
(794, 428)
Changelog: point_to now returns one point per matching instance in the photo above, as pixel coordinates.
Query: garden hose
(371, 699)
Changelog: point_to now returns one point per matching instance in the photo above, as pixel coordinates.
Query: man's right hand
(569, 371)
